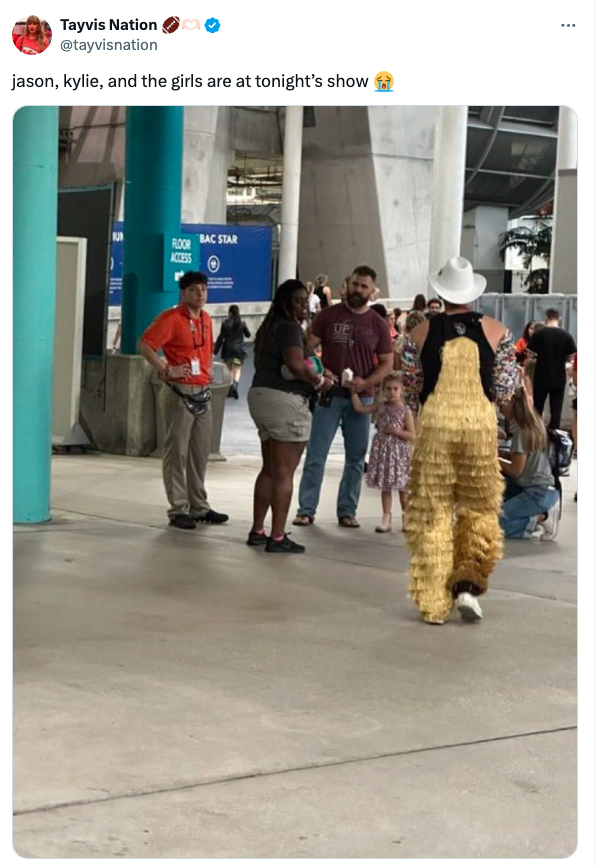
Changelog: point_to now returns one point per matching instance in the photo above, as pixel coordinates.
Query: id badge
(195, 367)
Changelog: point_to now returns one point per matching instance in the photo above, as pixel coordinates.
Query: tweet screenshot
(302, 556)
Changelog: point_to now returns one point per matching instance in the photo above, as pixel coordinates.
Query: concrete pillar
(563, 263)
(290, 202)
(481, 228)
(448, 184)
(205, 165)
(152, 195)
(35, 185)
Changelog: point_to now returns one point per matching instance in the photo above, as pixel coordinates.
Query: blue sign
(116, 266)
(181, 252)
(236, 259)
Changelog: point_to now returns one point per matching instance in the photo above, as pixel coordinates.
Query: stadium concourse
(181, 695)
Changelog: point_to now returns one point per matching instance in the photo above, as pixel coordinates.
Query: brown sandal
(348, 522)
(303, 520)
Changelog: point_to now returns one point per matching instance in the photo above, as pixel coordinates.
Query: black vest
(441, 329)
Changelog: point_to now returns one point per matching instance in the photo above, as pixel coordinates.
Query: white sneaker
(468, 607)
(385, 524)
(550, 526)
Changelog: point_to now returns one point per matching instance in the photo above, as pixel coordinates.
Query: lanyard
(193, 331)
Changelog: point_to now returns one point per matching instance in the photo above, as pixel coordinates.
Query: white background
(474, 53)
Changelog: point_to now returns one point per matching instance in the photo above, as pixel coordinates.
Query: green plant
(531, 243)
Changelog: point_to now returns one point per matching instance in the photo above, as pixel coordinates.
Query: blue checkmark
(212, 25)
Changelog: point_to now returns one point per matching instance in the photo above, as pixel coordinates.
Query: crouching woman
(531, 499)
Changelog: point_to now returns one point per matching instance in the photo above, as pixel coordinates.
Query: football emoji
(170, 25)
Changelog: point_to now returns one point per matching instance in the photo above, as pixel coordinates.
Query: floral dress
(389, 460)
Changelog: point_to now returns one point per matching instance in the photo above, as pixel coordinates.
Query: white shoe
(550, 526)
(468, 607)
(385, 524)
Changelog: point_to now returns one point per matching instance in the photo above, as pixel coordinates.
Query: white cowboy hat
(457, 283)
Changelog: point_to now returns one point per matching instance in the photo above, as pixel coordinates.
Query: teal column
(35, 201)
(152, 197)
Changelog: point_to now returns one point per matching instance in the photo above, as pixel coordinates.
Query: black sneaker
(286, 545)
(183, 521)
(213, 517)
(256, 539)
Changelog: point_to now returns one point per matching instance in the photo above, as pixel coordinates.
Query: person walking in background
(231, 344)
(353, 339)
(456, 365)
(531, 499)
(391, 320)
(552, 346)
(323, 291)
(522, 343)
(314, 304)
(389, 461)
(185, 334)
(285, 380)
(419, 304)
(434, 307)
(412, 321)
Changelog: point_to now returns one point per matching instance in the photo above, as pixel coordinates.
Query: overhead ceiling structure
(511, 157)
(510, 162)
(254, 187)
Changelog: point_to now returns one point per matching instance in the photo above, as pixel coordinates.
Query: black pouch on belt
(195, 403)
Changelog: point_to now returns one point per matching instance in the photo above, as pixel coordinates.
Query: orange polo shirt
(183, 338)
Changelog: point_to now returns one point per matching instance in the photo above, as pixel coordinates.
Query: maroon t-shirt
(353, 340)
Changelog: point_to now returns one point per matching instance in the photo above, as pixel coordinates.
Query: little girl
(389, 461)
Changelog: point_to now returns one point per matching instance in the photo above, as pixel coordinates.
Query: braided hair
(279, 311)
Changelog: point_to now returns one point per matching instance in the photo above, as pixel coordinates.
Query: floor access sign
(181, 253)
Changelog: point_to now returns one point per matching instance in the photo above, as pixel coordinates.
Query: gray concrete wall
(205, 166)
(402, 139)
(482, 226)
(117, 409)
(563, 277)
(211, 134)
(365, 197)
(339, 215)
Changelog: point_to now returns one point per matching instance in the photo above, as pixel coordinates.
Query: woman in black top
(278, 401)
(231, 342)
(322, 291)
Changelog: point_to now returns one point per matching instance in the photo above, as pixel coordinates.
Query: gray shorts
(280, 415)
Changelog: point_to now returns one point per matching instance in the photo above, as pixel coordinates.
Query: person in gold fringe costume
(455, 366)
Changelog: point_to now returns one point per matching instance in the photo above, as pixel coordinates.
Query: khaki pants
(187, 444)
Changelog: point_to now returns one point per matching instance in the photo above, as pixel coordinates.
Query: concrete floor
(181, 695)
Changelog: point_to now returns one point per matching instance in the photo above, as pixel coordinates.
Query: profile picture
(31, 35)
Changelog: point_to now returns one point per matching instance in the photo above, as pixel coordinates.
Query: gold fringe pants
(456, 486)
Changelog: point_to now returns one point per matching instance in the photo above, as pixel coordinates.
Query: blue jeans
(523, 506)
(355, 428)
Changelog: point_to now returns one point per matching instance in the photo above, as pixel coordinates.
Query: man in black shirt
(552, 346)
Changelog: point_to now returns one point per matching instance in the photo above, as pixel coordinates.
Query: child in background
(389, 462)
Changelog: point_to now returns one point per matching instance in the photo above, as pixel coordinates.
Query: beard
(355, 300)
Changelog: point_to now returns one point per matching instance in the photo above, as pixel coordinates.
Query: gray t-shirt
(537, 471)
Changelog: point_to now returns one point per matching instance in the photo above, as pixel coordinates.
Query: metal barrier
(516, 310)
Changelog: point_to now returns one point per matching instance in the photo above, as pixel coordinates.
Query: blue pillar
(35, 202)
(153, 183)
